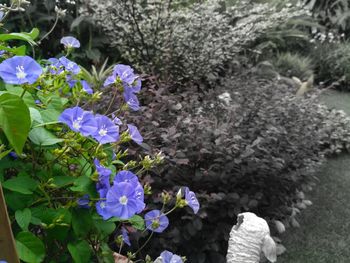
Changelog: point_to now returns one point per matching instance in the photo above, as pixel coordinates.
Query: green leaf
(35, 116)
(21, 184)
(50, 115)
(14, 120)
(23, 218)
(105, 228)
(30, 248)
(19, 51)
(137, 222)
(16, 90)
(41, 136)
(81, 222)
(80, 252)
(81, 184)
(5, 153)
(61, 181)
(28, 37)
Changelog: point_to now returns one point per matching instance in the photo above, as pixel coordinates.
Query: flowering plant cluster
(72, 192)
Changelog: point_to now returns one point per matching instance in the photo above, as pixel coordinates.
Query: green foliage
(44, 15)
(54, 166)
(293, 65)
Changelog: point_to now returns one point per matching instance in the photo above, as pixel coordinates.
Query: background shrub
(293, 65)
(332, 61)
(180, 42)
(255, 148)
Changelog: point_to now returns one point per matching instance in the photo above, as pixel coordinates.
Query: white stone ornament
(250, 240)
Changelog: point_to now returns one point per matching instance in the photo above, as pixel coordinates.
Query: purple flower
(122, 201)
(102, 210)
(107, 131)
(71, 82)
(13, 155)
(191, 200)
(126, 177)
(135, 134)
(83, 202)
(37, 102)
(2, 52)
(103, 184)
(55, 66)
(79, 120)
(168, 257)
(70, 42)
(116, 120)
(86, 87)
(131, 178)
(20, 70)
(131, 100)
(3, 261)
(124, 73)
(69, 66)
(125, 236)
(135, 87)
(156, 221)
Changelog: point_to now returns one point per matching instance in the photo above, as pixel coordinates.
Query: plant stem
(148, 239)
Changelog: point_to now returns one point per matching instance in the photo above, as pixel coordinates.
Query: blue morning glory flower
(86, 87)
(126, 177)
(2, 52)
(69, 65)
(116, 120)
(3, 261)
(122, 202)
(107, 131)
(70, 42)
(156, 221)
(13, 155)
(131, 100)
(103, 184)
(135, 87)
(20, 70)
(71, 82)
(55, 66)
(84, 201)
(125, 236)
(191, 200)
(124, 73)
(135, 134)
(131, 178)
(168, 257)
(102, 210)
(79, 120)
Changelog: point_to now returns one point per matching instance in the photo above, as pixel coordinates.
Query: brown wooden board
(7, 242)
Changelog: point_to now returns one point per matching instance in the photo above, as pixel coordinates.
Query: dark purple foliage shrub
(250, 144)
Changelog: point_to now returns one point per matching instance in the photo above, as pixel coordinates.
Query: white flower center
(77, 123)
(20, 72)
(70, 65)
(102, 205)
(123, 200)
(102, 132)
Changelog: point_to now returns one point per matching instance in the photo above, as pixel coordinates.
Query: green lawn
(324, 235)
